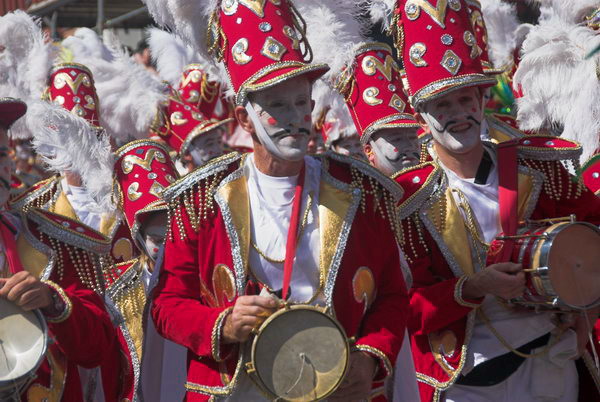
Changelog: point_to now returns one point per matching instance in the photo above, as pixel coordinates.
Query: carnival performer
(230, 219)
(468, 344)
(53, 263)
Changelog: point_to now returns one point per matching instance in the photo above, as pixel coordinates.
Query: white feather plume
(129, 94)
(67, 143)
(501, 22)
(560, 86)
(85, 43)
(170, 54)
(569, 11)
(25, 61)
(382, 11)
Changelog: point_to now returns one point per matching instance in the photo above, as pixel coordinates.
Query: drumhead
(300, 354)
(573, 262)
(22, 342)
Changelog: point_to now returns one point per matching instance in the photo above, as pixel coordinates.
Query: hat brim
(440, 88)
(11, 110)
(277, 73)
(400, 120)
(199, 130)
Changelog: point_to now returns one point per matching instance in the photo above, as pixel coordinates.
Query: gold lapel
(334, 205)
(525, 188)
(453, 231)
(33, 260)
(498, 136)
(63, 207)
(107, 224)
(235, 194)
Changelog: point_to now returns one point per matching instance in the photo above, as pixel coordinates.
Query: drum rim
(541, 255)
(31, 373)
(277, 314)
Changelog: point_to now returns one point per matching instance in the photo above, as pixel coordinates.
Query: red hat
(374, 92)
(195, 88)
(439, 48)
(481, 34)
(143, 170)
(72, 87)
(590, 174)
(178, 123)
(11, 110)
(262, 43)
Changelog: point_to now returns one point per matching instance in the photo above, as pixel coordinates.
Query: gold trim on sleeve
(458, 293)
(68, 305)
(378, 354)
(217, 331)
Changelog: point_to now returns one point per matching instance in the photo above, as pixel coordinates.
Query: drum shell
(251, 367)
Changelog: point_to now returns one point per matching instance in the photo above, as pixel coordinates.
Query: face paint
(395, 149)
(152, 239)
(279, 118)
(350, 146)
(206, 147)
(458, 129)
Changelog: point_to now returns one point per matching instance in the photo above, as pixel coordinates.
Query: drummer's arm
(83, 330)
(178, 310)
(384, 323)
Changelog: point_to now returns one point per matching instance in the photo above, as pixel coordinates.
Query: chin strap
(263, 137)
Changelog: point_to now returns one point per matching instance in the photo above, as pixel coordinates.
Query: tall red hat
(261, 43)
(72, 87)
(481, 34)
(143, 170)
(438, 47)
(374, 92)
(11, 110)
(197, 89)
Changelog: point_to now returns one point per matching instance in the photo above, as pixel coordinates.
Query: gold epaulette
(500, 130)
(192, 197)
(418, 183)
(36, 196)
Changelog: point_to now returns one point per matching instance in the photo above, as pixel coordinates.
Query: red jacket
(66, 253)
(435, 241)
(206, 257)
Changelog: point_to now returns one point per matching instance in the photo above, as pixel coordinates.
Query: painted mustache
(286, 132)
(404, 155)
(451, 122)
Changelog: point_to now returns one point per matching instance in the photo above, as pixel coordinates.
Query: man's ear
(422, 122)
(368, 149)
(312, 105)
(241, 115)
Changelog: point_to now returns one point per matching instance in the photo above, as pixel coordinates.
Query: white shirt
(271, 200)
(83, 204)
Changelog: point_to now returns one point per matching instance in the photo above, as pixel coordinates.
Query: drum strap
(507, 193)
(8, 232)
(292, 236)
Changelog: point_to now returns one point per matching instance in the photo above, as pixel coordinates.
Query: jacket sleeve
(179, 311)
(384, 323)
(84, 331)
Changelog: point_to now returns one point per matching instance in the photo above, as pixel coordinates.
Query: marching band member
(229, 221)
(467, 345)
(54, 264)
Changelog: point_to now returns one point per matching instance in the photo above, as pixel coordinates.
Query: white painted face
(285, 113)
(152, 234)
(455, 119)
(6, 167)
(395, 149)
(206, 147)
(349, 146)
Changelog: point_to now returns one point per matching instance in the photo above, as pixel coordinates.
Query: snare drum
(561, 262)
(23, 342)
(299, 354)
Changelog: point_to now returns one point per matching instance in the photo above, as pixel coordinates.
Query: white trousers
(537, 380)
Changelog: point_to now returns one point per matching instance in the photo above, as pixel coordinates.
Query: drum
(561, 262)
(299, 354)
(23, 342)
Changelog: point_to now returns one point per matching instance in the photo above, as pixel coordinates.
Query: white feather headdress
(560, 86)
(24, 63)
(67, 143)
(129, 94)
(502, 24)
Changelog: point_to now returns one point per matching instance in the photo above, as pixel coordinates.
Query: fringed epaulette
(419, 183)
(378, 191)
(590, 174)
(35, 196)
(73, 244)
(191, 198)
(558, 159)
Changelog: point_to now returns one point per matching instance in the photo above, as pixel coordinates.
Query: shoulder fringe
(193, 195)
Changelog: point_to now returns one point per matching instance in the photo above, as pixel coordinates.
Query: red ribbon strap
(7, 232)
(508, 193)
(292, 237)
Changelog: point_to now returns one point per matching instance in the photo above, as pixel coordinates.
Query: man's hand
(505, 280)
(26, 291)
(359, 379)
(248, 313)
